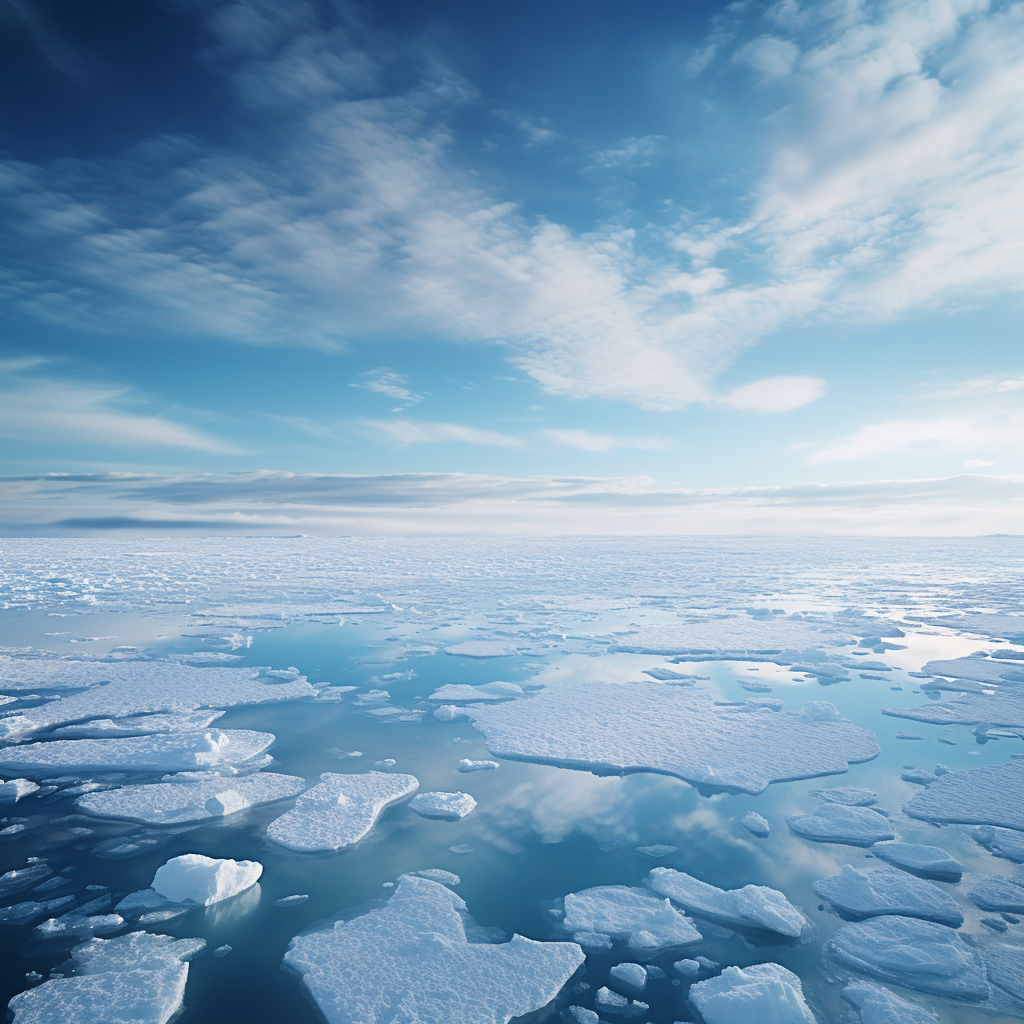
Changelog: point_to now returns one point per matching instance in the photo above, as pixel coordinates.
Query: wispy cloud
(385, 381)
(627, 153)
(985, 387)
(776, 394)
(588, 441)
(408, 432)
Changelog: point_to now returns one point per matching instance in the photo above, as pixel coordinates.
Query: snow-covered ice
(756, 824)
(1002, 842)
(889, 891)
(991, 795)
(854, 796)
(656, 851)
(615, 728)
(409, 961)
(878, 1005)
(459, 692)
(482, 649)
(340, 810)
(14, 789)
(467, 764)
(759, 994)
(291, 901)
(926, 861)
(137, 725)
(754, 908)
(841, 823)
(195, 878)
(447, 806)
(631, 977)
(624, 914)
(448, 878)
(999, 894)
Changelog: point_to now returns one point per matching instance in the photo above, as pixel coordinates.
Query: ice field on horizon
(709, 780)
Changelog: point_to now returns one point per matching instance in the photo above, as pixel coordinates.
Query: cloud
(627, 153)
(589, 441)
(976, 463)
(776, 394)
(384, 381)
(406, 432)
(979, 388)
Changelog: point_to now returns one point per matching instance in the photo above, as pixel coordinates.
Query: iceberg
(759, 994)
(840, 823)
(410, 961)
(195, 878)
(339, 811)
(878, 1005)
(889, 891)
(627, 915)
(446, 806)
(925, 861)
(992, 795)
(616, 728)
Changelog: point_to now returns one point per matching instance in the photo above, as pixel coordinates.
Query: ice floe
(136, 978)
(756, 824)
(291, 901)
(139, 725)
(656, 851)
(1000, 894)
(925, 861)
(467, 764)
(410, 961)
(1002, 842)
(447, 806)
(340, 810)
(14, 789)
(616, 728)
(889, 891)
(759, 994)
(738, 633)
(595, 917)
(1005, 966)
(195, 878)
(1003, 707)
(877, 1005)
(631, 977)
(482, 649)
(853, 796)
(991, 795)
(448, 878)
(752, 909)
(190, 796)
(841, 823)
(459, 692)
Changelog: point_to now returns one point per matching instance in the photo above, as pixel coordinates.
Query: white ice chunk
(581, 1015)
(609, 1001)
(460, 692)
(136, 978)
(632, 977)
(409, 961)
(174, 752)
(14, 789)
(448, 878)
(741, 633)
(754, 907)
(920, 955)
(449, 712)
(1005, 965)
(878, 1005)
(855, 796)
(467, 764)
(992, 795)
(1000, 894)
(756, 824)
(139, 725)
(628, 915)
(482, 649)
(651, 727)
(687, 968)
(447, 806)
(291, 901)
(889, 891)
(1000, 841)
(926, 861)
(195, 878)
(759, 994)
(340, 810)
(190, 797)
(840, 823)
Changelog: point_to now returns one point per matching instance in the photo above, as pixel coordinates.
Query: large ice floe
(925, 861)
(1004, 707)
(917, 954)
(991, 795)
(411, 961)
(190, 796)
(340, 810)
(617, 728)
(136, 978)
(599, 917)
(756, 910)
(877, 1005)
(841, 823)
(185, 751)
(888, 891)
(759, 994)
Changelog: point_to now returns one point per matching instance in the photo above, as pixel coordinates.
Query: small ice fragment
(901, 735)
(752, 995)
(482, 649)
(195, 878)
(609, 1001)
(839, 823)
(291, 901)
(918, 776)
(386, 762)
(461, 848)
(580, 1015)
(222, 950)
(687, 968)
(632, 977)
(756, 824)
(440, 875)
(449, 712)
(656, 851)
(445, 806)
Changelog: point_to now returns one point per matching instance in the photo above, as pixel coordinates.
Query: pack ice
(618, 728)
(410, 961)
(992, 795)
(759, 994)
(190, 796)
(926, 861)
(841, 823)
(754, 908)
(595, 917)
(175, 752)
(878, 1005)
(1004, 707)
(888, 891)
(738, 633)
(447, 806)
(136, 978)
(339, 811)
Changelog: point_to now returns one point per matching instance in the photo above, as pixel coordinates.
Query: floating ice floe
(617, 728)
(467, 764)
(925, 861)
(982, 670)
(917, 954)
(136, 978)
(631, 977)
(756, 824)
(340, 810)
(448, 878)
(174, 752)
(737, 634)
(840, 823)
(752, 909)
(889, 891)
(446, 806)
(1005, 966)
(853, 796)
(1003, 707)
(14, 789)
(462, 692)
(195, 878)
(757, 994)
(92, 918)
(20, 879)
(992, 795)
(612, 1003)
(291, 901)
(139, 725)
(190, 796)
(877, 1005)
(595, 917)
(31, 910)
(1000, 841)
(656, 851)
(999, 894)
(482, 649)
(410, 961)
(581, 1015)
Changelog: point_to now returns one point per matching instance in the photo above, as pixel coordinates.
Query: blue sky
(679, 257)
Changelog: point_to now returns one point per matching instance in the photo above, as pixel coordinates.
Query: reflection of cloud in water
(229, 912)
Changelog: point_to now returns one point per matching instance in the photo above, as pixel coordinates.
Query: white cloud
(627, 153)
(588, 441)
(406, 432)
(769, 55)
(776, 394)
(384, 381)
(977, 463)
(979, 388)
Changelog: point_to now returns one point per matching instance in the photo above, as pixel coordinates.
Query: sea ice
(617, 728)
(982, 670)
(136, 978)
(656, 851)
(223, 950)
(467, 764)
(840, 823)
(756, 824)
(632, 977)
(339, 811)
(853, 796)
(194, 878)
(581, 1015)
(447, 806)
(291, 901)
(752, 908)
(448, 878)
(999, 894)
(917, 954)
(926, 861)
(24, 913)
(190, 796)
(736, 634)
(174, 752)
(14, 789)
(459, 692)
(1005, 965)
(23, 878)
(139, 725)
(889, 891)
(991, 795)
(878, 1005)
(759, 994)
(1004, 707)
(628, 915)
(482, 649)
(1000, 841)
(687, 968)
(609, 1001)
(409, 961)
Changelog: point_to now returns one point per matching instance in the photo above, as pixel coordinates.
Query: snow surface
(1005, 965)
(627, 915)
(1000, 894)
(992, 795)
(467, 764)
(136, 978)
(926, 861)
(759, 994)
(889, 891)
(878, 1005)
(447, 806)
(616, 728)
(754, 907)
(190, 796)
(340, 810)
(840, 823)
(195, 878)
(409, 961)
(459, 692)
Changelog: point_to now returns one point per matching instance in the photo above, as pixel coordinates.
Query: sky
(417, 266)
